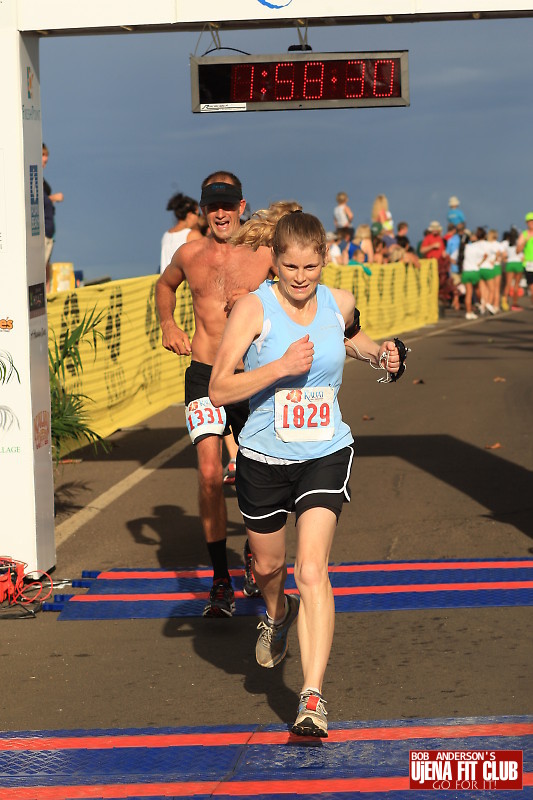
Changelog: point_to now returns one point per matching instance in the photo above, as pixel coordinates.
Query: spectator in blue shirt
(455, 215)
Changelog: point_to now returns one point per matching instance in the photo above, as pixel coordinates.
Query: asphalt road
(442, 471)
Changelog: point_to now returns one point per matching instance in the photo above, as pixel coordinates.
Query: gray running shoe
(272, 643)
(311, 719)
(221, 600)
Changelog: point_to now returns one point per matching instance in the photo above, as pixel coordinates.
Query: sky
(117, 120)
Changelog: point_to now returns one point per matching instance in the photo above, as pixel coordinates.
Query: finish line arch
(26, 476)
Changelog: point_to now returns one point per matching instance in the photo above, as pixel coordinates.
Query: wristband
(402, 352)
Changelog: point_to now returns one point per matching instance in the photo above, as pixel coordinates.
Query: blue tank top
(354, 250)
(326, 332)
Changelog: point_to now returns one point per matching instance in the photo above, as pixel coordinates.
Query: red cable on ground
(14, 586)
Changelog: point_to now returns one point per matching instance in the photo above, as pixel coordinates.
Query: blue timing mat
(358, 760)
(376, 586)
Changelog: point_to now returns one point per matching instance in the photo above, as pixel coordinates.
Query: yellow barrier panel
(133, 376)
(394, 298)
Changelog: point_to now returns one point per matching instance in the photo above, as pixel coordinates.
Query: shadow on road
(229, 645)
(178, 537)
(504, 488)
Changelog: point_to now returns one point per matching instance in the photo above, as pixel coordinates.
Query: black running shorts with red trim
(267, 493)
(197, 377)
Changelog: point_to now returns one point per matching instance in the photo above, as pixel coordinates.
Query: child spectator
(455, 214)
(342, 213)
(334, 251)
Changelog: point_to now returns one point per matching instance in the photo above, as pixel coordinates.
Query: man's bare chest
(220, 280)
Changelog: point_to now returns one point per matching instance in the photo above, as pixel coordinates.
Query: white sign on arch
(62, 15)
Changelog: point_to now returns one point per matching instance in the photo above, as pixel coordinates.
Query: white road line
(65, 529)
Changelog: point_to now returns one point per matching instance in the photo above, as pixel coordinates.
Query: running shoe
(230, 470)
(250, 588)
(311, 719)
(221, 599)
(470, 315)
(273, 640)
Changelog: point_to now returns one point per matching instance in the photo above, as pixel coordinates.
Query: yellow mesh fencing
(132, 376)
(395, 298)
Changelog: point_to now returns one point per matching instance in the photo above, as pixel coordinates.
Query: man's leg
(214, 518)
(210, 493)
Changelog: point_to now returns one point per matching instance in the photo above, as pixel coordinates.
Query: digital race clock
(299, 80)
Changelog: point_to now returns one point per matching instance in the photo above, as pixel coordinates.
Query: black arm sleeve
(354, 327)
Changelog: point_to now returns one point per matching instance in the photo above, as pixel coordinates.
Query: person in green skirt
(525, 246)
(514, 269)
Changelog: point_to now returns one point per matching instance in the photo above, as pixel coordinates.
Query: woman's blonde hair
(363, 232)
(492, 235)
(279, 226)
(380, 204)
(259, 229)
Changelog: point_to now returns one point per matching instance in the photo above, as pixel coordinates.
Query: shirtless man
(217, 273)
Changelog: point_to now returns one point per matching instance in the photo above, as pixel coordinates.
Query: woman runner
(295, 452)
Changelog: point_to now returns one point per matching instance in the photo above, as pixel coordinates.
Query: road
(442, 471)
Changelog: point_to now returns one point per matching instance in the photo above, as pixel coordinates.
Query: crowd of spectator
(479, 271)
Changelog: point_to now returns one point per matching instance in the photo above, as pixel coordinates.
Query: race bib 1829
(304, 415)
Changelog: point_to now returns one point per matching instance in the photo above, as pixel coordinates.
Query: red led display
(315, 80)
(299, 80)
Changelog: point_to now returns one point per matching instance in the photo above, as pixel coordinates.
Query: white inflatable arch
(26, 478)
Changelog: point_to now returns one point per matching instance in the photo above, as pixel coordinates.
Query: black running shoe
(250, 588)
(221, 600)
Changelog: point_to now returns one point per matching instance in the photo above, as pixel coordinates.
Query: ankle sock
(284, 617)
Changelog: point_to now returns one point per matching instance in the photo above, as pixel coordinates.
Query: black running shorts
(197, 377)
(267, 493)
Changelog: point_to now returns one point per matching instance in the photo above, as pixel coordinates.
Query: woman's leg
(270, 569)
(515, 283)
(316, 620)
(507, 290)
(483, 293)
(497, 291)
(468, 298)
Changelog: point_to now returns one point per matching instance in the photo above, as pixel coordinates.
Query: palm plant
(69, 417)
(7, 367)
